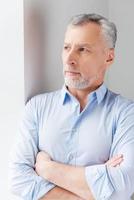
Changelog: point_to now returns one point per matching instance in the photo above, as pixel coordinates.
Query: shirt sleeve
(111, 182)
(23, 180)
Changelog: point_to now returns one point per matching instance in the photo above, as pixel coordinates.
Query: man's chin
(76, 85)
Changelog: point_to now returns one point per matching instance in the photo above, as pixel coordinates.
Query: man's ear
(110, 57)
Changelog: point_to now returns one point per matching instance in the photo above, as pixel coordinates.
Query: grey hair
(108, 28)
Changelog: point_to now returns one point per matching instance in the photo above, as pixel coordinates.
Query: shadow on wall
(33, 51)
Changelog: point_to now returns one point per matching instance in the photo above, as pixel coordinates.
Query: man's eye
(66, 47)
(83, 49)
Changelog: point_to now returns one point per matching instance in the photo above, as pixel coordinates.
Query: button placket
(71, 150)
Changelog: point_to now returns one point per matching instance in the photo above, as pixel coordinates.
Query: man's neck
(82, 94)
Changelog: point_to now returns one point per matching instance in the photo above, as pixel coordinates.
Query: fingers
(43, 156)
(115, 161)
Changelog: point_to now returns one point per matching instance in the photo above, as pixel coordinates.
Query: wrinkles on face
(84, 56)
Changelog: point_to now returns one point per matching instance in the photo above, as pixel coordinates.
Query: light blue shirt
(52, 122)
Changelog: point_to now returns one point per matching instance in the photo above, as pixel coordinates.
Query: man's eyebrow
(85, 45)
(81, 44)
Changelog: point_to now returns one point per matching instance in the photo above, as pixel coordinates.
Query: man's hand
(115, 161)
(42, 155)
(41, 165)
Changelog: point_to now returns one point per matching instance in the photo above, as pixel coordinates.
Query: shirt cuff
(44, 187)
(98, 181)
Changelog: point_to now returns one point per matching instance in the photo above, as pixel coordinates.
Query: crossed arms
(70, 180)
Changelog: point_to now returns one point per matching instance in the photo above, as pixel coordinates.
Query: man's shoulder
(43, 99)
(122, 101)
(122, 105)
(119, 99)
(46, 95)
(119, 104)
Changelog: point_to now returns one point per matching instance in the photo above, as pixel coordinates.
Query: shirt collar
(64, 94)
(99, 94)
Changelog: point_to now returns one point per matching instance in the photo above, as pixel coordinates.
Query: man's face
(85, 56)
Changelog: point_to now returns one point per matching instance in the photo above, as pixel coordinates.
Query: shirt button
(71, 157)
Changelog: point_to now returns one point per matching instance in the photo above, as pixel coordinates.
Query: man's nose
(71, 58)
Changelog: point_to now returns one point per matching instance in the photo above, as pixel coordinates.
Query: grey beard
(78, 84)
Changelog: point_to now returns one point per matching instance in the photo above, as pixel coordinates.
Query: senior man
(78, 142)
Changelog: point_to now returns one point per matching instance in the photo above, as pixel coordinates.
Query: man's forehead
(90, 26)
(82, 35)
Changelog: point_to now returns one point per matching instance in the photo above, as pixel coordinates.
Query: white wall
(121, 74)
(11, 82)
